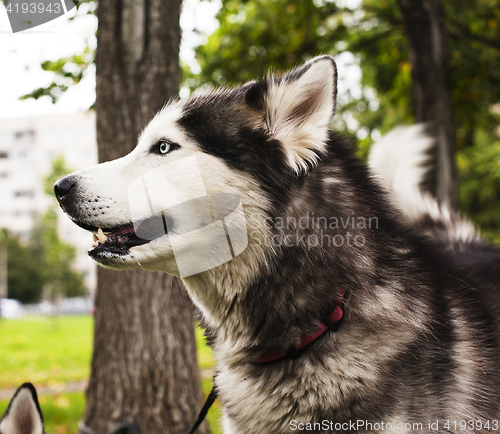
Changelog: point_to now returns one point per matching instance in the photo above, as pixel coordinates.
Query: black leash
(204, 410)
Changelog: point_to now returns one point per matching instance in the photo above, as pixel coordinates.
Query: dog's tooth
(94, 238)
(101, 236)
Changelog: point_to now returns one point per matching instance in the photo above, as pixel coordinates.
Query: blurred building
(27, 148)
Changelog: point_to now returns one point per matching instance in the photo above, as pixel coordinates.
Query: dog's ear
(298, 108)
(23, 415)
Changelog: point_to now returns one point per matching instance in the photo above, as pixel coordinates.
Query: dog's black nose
(63, 187)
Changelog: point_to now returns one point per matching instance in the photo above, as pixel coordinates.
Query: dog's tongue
(102, 237)
(123, 230)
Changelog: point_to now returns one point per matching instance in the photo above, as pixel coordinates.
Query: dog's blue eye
(165, 147)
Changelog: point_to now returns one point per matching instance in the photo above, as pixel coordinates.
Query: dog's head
(202, 171)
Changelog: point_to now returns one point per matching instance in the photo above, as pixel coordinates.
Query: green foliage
(479, 177)
(55, 258)
(474, 62)
(474, 27)
(379, 42)
(259, 35)
(24, 280)
(45, 261)
(67, 71)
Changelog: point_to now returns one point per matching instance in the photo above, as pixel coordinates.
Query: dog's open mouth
(120, 239)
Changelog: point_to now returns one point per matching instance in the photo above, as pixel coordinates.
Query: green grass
(206, 362)
(206, 359)
(45, 351)
(53, 351)
(214, 415)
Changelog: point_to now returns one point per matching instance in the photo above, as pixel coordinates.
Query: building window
(25, 193)
(25, 137)
(24, 154)
(4, 154)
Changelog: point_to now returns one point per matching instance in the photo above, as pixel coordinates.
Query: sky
(22, 53)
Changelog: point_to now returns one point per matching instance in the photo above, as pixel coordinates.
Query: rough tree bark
(432, 101)
(144, 366)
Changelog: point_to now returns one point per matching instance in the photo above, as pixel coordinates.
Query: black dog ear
(23, 415)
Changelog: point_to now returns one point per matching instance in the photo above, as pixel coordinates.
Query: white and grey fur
(23, 415)
(400, 162)
(420, 339)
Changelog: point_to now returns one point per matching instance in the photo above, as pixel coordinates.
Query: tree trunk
(423, 21)
(144, 367)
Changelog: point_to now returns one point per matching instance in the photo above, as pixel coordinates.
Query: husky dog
(329, 308)
(23, 415)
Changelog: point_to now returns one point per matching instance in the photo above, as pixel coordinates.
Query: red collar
(331, 322)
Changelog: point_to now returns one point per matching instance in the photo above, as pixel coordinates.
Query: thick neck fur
(291, 275)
